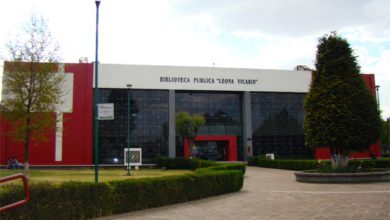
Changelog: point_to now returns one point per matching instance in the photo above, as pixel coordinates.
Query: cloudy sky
(262, 34)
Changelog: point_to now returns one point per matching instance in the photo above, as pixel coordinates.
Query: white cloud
(275, 34)
(292, 18)
(381, 68)
(363, 35)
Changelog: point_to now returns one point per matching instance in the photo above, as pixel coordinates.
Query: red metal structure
(26, 192)
(231, 148)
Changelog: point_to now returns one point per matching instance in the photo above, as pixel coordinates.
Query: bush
(180, 163)
(237, 166)
(285, 163)
(84, 200)
(197, 164)
(193, 164)
(70, 200)
(314, 164)
(372, 163)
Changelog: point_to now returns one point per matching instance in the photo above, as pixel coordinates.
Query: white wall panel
(202, 78)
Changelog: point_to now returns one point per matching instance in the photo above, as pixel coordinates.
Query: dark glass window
(277, 124)
(221, 110)
(148, 123)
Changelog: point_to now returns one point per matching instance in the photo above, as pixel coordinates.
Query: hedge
(372, 163)
(84, 200)
(313, 164)
(197, 164)
(180, 163)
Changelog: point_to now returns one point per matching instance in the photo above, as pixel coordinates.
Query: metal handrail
(26, 191)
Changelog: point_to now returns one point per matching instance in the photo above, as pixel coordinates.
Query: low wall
(307, 177)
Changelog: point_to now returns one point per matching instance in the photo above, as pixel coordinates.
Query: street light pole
(377, 95)
(128, 128)
(96, 99)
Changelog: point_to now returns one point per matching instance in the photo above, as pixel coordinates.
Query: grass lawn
(88, 175)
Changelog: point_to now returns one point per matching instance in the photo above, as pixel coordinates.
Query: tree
(187, 126)
(31, 89)
(340, 112)
(385, 138)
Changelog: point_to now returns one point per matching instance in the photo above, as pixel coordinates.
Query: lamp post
(128, 128)
(96, 99)
(377, 95)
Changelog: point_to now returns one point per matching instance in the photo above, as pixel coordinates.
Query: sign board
(203, 78)
(270, 156)
(106, 111)
(135, 156)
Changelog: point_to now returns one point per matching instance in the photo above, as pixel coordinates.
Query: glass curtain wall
(149, 125)
(277, 125)
(221, 110)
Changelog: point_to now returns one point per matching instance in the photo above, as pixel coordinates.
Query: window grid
(149, 124)
(277, 124)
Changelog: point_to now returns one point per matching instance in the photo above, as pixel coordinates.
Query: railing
(26, 191)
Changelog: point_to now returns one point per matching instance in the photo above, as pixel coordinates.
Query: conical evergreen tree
(340, 112)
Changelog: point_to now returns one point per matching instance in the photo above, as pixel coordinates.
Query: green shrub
(372, 163)
(70, 200)
(285, 164)
(252, 161)
(314, 164)
(197, 164)
(223, 166)
(193, 164)
(85, 200)
(179, 163)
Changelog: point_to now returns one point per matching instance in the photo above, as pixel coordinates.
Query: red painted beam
(26, 191)
(231, 148)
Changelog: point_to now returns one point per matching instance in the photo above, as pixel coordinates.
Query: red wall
(231, 148)
(324, 153)
(77, 132)
(79, 124)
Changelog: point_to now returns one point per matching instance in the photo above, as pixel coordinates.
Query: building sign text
(203, 80)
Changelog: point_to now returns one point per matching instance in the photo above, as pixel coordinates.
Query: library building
(248, 112)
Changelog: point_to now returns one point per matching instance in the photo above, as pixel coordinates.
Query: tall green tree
(340, 112)
(31, 89)
(385, 138)
(187, 126)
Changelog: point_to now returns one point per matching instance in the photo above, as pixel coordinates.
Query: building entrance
(214, 147)
(211, 150)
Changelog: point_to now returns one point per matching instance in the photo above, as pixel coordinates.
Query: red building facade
(77, 128)
(76, 144)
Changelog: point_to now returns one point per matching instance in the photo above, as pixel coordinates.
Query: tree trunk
(339, 161)
(26, 149)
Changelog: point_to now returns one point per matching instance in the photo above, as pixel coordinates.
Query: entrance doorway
(211, 150)
(215, 147)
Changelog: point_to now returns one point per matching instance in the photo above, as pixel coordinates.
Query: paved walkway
(274, 194)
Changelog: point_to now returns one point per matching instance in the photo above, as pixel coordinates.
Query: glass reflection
(149, 125)
(222, 111)
(277, 124)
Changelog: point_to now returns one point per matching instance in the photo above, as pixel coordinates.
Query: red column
(186, 148)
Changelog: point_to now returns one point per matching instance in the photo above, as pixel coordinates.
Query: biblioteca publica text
(202, 80)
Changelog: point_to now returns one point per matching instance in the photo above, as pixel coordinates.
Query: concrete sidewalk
(274, 194)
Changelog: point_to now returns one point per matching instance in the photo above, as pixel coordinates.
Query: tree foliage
(31, 89)
(385, 138)
(340, 112)
(187, 126)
